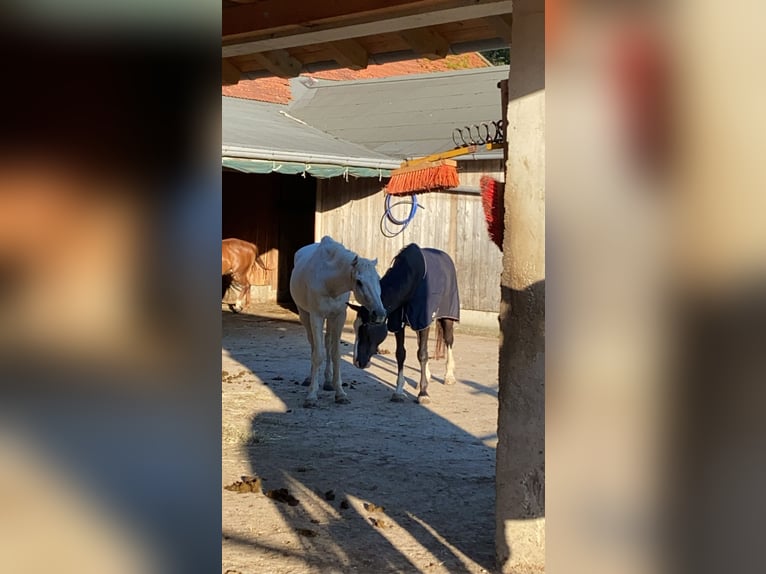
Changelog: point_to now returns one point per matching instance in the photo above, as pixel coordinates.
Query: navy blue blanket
(422, 285)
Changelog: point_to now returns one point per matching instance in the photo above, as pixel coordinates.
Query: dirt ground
(380, 486)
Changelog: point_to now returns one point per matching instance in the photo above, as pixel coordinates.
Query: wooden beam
(278, 14)
(322, 34)
(280, 63)
(426, 42)
(349, 54)
(229, 73)
(502, 25)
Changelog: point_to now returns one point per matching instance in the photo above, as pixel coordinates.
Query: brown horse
(238, 258)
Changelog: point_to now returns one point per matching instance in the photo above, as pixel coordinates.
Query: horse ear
(356, 308)
(375, 261)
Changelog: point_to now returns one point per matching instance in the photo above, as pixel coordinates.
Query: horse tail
(260, 263)
(439, 340)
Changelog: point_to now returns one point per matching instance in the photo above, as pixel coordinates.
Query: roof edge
(322, 83)
(343, 161)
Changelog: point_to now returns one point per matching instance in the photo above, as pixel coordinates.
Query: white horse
(324, 275)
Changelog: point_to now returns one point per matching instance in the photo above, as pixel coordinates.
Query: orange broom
(430, 173)
(422, 177)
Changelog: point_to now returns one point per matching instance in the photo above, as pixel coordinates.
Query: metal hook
(462, 141)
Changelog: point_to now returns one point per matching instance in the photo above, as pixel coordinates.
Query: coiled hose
(389, 219)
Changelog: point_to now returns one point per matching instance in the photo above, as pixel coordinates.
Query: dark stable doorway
(273, 211)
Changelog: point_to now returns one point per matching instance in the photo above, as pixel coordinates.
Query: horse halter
(371, 322)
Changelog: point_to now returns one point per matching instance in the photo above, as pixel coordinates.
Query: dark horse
(420, 286)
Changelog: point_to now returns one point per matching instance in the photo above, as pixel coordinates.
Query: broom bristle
(494, 209)
(427, 178)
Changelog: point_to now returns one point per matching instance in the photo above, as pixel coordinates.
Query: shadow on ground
(430, 468)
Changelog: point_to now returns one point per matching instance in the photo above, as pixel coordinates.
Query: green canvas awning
(297, 168)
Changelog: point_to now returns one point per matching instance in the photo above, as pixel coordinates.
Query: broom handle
(448, 154)
(443, 155)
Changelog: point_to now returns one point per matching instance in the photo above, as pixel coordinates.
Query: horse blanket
(425, 280)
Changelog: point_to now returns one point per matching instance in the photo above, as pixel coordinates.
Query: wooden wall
(453, 221)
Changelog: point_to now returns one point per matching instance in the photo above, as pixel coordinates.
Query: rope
(388, 216)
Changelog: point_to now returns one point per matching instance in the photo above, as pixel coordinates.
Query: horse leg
(232, 306)
(448, 326)
(306, 322)
(334, 329)
(401, 354)
(234, 285)
(246, 294)
(238, 284)
(329, 339)
(225, 285)
(425, 373)
(317, 356)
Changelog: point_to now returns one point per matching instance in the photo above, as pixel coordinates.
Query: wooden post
(520, 473)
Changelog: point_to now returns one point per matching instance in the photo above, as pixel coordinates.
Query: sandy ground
(428, 469)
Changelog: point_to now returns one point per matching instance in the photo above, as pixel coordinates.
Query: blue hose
(410, 217)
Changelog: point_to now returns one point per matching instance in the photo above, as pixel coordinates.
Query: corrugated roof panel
(406, 116)
(251, 126)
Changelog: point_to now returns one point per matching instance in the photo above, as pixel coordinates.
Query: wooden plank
(453, 224)
(477, 270)
(463, 258)
(320, 229)
(443, 230)
(477, 241)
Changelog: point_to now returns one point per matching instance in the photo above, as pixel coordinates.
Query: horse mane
(337, 251)
(334, 250)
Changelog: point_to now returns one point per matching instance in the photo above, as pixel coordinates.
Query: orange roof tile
(277, 90)
(271, 89)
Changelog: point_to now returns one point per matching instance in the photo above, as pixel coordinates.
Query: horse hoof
(397, 398)
(450, 380)
(423, 399)
(306, 382)
(342, 401)
(309, 403)
(328, 386)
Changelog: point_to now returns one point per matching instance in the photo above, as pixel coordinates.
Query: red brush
(492, 192)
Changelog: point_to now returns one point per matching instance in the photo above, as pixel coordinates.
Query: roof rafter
(279, 62)
(278, 14)
(502, 24)
(229, 73)
(349, 54)
(426, 42)
(323, 33)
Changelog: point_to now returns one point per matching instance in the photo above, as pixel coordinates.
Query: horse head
(367, 336)
(367, 287)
